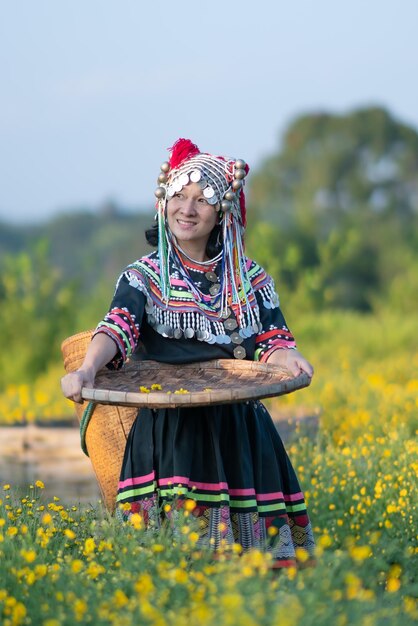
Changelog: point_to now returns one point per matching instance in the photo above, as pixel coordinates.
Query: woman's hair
(213, 247)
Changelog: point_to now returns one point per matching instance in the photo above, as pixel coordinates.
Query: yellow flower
(157, 547)
(325, 541)
(302, 555)
(120, 599)
(70, 534)
(12, 531)
(79, 607)
(156, 387)
(94, 570)
(41, 570)
(393, 585)
(143, 389)
(47, 519)
(89, 546)
(136, 521)
(189, 505)
(144, 584)
(76, 566)
(28, 555)
(231, 601)
(360, 553)
(180, 576)
(40, 484)
(6, 487)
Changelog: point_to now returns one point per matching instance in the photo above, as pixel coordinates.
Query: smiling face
(191, 219)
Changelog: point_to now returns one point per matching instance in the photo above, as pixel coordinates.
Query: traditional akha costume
(170, 308)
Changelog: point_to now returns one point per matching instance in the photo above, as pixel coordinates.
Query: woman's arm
(100, 351)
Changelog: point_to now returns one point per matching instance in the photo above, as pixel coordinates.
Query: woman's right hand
(72, 384)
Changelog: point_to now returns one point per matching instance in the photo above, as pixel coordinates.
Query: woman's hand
(292, 361)
(100, 351)
(72, 384)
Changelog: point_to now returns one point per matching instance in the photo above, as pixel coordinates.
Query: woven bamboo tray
(196, 384)
(118, 397)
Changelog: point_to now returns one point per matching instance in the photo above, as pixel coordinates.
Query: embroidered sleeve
(275, 334)
(123, 321)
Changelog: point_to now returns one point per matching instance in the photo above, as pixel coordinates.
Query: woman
(196, 298)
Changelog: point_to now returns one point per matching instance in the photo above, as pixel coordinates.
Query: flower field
(62, 564)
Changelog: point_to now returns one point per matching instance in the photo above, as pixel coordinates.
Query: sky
(93, 92)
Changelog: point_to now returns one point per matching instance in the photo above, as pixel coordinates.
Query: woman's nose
(189, 207)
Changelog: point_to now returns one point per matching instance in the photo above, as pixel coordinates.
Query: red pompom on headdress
(181, 150)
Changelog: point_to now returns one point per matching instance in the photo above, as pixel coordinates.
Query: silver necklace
(209, 262)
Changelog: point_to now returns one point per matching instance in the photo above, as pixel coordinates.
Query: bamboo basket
(108, 429)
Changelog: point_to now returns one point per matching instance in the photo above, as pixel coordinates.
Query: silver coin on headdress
(189, 332)
(195, 176)
(209, 192)
(177, 186)
(212, 200)
(170, 190)
(184, 180)
(178, 333)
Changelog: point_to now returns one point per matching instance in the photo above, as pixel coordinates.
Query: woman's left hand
(292, 361)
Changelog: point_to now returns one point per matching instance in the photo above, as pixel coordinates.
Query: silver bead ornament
(236, 184)
(160, 193)
(240, 164)
(226, 205)
(229, 195)
(240, 174)
(162, 178)
(165, 167)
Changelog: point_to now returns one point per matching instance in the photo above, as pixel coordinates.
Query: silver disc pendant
(211, 276)
(189, 333)
(195, 176)
(230, 324)
(215, 289)
(236, 338)
(239, 352)
(177, 333)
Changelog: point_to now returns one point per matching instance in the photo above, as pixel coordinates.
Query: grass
(65, 565)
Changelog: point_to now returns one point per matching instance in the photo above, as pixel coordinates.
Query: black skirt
(229, 460)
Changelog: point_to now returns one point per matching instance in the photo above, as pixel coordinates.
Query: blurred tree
(36, 312)
(341, 189)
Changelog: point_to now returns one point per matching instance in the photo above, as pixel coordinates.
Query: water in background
(52, 455)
